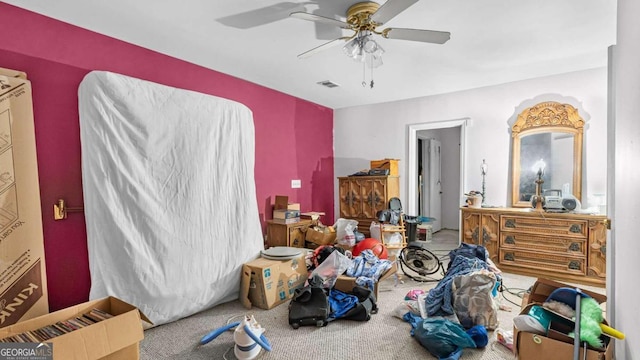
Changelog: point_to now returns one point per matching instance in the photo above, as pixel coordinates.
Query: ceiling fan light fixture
(363, 18)
(363, 48)
(352, 48)
(369, 45)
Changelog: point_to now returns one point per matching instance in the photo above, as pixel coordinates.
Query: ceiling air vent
(328, 83)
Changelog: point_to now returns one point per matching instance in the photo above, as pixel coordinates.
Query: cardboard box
(321, 235)
(284, 214)
(282, 203)
(346, 283)
(391, 164)
(556, 345)
(293, 206)
(267, 283)
(116, 338)
(23, 282)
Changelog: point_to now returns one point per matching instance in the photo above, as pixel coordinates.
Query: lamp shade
(363, 48)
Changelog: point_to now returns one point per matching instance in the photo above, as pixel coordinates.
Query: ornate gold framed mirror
(546, 137)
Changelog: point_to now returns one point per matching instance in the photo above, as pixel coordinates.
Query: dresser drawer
(545, 226)
(557, 245)
(542, 261)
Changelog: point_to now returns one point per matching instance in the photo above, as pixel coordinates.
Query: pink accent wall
(294, 137)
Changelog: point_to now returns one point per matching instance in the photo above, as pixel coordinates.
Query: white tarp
(169, 194)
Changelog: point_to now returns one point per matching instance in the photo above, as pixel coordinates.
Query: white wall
(380, 131)
(626, 290)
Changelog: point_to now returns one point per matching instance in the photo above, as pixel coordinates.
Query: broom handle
(611, 331)
(576, 331)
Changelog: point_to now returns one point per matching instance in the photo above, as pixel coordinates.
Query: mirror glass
(555, 149)
(547, 137)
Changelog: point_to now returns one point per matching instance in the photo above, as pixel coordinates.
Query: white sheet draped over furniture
(169, 194)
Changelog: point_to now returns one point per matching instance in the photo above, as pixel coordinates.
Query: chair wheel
(295, 325)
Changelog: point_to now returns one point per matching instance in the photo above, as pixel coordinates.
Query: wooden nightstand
(292, 235)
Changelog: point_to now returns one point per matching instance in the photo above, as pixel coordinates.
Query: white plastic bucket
(425, 232)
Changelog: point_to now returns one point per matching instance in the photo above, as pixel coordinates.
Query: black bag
(365, 307)
(309, 306)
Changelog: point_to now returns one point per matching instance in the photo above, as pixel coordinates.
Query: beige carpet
(385, 336)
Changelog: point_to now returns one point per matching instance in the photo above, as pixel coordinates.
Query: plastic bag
(375, 230)
(473, 300)
(345, 231)
(327, 272)
(442, 337)
(406, 306)
(393, 238)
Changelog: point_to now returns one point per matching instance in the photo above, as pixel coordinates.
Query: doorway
(451, 173)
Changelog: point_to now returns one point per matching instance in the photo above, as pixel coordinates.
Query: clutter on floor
(555, 313)
(248, 336)
(342, 283)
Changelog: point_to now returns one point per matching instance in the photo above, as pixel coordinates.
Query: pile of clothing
(458, 311)
(468, 288)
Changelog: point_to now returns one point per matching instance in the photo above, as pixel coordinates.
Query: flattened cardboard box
(266, 283)
(346, 284)
(116, 338)
(529, 346)
(23, 284)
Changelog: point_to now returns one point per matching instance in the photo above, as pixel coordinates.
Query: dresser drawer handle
(576, 229)
(485, 236)
(509, 256)
(574, 265)
(510, 223)
(509, 240)
(574, 247)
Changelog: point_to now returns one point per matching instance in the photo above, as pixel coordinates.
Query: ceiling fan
(363, 18)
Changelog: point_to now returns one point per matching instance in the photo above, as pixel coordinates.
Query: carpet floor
(385, 336)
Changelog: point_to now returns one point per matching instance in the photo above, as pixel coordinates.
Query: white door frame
(412, 156)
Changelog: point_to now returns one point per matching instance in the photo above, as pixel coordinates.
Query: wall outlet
(296, 184)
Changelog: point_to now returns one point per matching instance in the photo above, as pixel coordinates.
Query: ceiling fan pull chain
(371, 85)
(364, 75)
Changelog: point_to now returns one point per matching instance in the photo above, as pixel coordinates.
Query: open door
(434, 184)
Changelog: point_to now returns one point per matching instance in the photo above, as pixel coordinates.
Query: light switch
(296, 184)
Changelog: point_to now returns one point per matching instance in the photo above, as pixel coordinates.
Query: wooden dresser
(361, 197)
(562, 246)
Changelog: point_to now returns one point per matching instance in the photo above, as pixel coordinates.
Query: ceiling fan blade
(429, 36)
(321, 19)
(325, 46)
(390, 9)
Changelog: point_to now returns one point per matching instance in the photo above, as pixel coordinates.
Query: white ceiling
(492, 41)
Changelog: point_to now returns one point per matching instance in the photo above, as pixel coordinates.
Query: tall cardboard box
(116, 338)
(529, 346)
(267, 283)
(23, 284)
